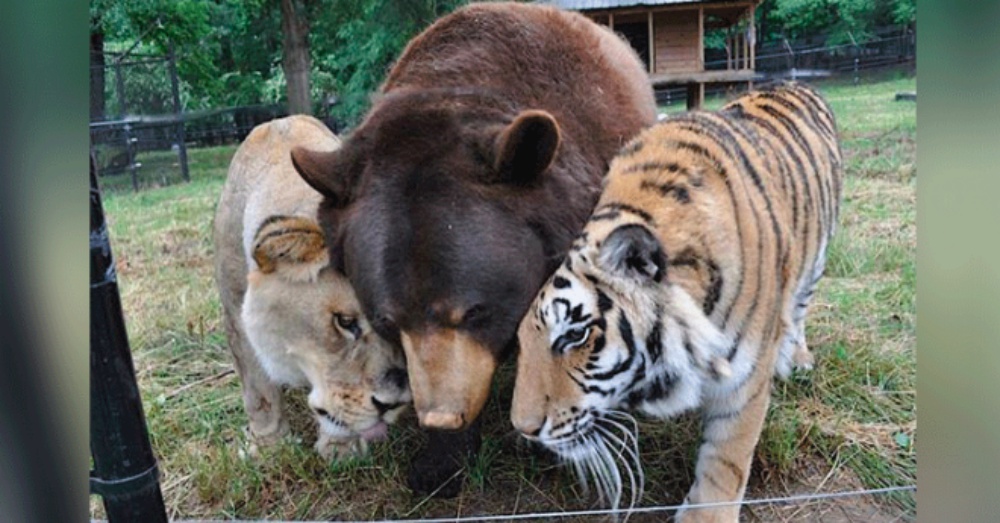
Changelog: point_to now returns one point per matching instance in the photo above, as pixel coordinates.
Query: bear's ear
(328, 172)
(632, 252)
(526, 147)
(290, 246)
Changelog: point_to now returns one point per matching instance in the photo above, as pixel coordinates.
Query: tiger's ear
(631, 251)
(290, 246)
(525, 148)
(328, 172)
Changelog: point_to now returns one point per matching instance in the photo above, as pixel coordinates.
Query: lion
(290, 318)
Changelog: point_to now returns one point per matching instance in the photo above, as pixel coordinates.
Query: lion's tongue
(376, 432)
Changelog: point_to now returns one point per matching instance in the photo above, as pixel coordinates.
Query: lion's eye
(348, 324)
(571, 339)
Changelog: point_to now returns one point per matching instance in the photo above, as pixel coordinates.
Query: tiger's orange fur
(687, 288)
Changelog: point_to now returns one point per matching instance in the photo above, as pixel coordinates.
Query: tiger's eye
(571, 339)
(575, 335)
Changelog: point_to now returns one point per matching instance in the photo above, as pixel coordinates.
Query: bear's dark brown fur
(461, 190)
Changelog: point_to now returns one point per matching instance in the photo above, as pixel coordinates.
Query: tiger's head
(305, 324)
(609, 331)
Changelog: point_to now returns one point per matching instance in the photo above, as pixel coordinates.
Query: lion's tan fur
(279, 296)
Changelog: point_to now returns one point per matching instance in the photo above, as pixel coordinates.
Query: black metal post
(133, 166)
(179, 113)
(125, 473)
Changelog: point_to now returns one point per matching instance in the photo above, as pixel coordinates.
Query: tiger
(688, 287)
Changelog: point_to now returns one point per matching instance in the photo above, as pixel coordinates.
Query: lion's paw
(255, 443)
(332, 449)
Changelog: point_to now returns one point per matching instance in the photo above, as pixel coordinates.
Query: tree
(364, 37)
(295, 55)
(842, 21)
(96, 71)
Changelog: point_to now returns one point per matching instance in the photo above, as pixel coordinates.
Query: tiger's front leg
(731, 429)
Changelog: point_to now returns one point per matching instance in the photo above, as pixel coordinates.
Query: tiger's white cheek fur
(691, 354)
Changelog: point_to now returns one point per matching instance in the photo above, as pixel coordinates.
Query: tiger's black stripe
(679, 192)
(658, 166)
(793, 152)
(722, 132)
(826, 135)
(793, 155)
(755, 213)
(612, 211)
(795, 131)
(717, 164)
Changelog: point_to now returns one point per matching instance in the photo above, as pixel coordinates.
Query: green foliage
(844, 20)
(364, 39)
(225, 49)
(229, 51)
(905, 11)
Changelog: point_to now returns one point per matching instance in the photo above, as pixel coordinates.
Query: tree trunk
(295, 55)
(96, 75)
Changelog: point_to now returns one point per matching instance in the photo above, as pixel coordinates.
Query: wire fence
(140, 129)
(125, 86)
(782, 500)
(891, 47)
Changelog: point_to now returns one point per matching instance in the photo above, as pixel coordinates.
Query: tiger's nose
(384, 407)
(529, 427)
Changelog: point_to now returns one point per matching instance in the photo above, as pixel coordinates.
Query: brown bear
(462, 188)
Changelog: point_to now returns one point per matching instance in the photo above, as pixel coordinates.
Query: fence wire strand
(646, 510)
(800, 498)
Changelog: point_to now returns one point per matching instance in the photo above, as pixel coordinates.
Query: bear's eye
(571, 339)
(348, 324)
(476, 315)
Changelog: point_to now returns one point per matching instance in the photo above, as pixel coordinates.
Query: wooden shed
(669, 36)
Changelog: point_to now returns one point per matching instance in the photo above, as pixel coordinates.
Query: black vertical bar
(130, 153)
(125, 473)
(178, 112)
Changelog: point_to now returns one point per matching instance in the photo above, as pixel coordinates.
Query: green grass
(848, 424)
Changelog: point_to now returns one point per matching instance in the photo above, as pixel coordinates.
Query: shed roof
(591, 5)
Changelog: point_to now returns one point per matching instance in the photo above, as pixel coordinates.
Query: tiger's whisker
(627, 463)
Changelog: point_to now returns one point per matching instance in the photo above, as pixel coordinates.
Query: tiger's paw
(802, 358)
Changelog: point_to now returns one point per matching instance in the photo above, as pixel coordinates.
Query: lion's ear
(526, 147)
(328, 172)
(290, 246)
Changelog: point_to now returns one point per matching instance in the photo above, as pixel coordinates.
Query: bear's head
(447, 209)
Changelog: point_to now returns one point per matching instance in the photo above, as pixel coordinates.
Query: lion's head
(306, 326)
